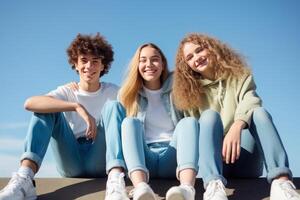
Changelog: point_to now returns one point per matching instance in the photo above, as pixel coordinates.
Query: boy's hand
(91, 130)
(232, 142)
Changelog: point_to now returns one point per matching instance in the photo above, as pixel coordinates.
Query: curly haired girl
(212, 77)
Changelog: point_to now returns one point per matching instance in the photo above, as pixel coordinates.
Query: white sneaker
(18, 188)
(283, 190)
(215, 191)
(143, 192)
(115, 188)
(182, 192)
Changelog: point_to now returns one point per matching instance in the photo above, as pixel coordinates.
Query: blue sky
(35, 34)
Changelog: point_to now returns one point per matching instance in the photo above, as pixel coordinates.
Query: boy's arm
(48, 104)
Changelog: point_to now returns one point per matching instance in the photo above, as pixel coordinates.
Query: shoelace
(188, 188)
(213, 188)
(289, 189)
(116, 185)
(14, 182)
(131, 192)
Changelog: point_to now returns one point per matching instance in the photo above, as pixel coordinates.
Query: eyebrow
(155, 56)
(189, 55)
(93, 58)
(201, 48)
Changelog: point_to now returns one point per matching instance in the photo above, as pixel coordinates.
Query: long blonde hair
(128, 94)
(188, 92)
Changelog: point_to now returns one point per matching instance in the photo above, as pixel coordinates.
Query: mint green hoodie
(234, 98)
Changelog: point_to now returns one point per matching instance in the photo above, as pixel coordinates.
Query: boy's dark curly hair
(96, 45)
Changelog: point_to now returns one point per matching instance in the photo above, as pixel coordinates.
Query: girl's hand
(91, 130)
(232, 142)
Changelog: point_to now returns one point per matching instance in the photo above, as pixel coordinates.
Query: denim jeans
(260, 142)
(162, 159)
(76, 157)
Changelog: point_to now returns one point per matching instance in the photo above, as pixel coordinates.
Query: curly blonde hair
(188, 93)
(128, 93)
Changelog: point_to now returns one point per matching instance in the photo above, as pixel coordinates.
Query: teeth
(202, 62)
(89, 72)
(151, 71)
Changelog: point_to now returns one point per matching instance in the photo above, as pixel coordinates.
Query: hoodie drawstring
(220, 94)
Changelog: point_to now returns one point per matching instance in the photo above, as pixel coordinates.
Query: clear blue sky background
(35, 34)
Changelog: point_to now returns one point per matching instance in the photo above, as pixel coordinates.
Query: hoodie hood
(215, 87)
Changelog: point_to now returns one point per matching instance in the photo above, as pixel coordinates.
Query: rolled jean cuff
(33, 157)
(186, 166)
(206, 180)
(115, 163)
(272, 174)
(141, 168)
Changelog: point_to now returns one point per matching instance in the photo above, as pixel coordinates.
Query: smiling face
(89, 68)
(150, 67)
(198, 59)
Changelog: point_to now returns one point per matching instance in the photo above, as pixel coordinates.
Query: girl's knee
(210, 116)
(113, 105)
(189, 124)
(261, 113)
(188, 121)
(131, 127)
(130, 121)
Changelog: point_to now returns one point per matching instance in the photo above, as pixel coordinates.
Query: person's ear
(76, 66)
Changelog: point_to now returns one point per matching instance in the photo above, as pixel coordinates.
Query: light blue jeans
(260, 143)
(163, 159)
(76, 157)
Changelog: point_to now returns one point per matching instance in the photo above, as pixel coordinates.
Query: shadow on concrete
(248, 190)
(75, 190)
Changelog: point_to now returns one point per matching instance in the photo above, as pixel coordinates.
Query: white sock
(187, 184)
(114, 175)
(26, 171)
(141, 184)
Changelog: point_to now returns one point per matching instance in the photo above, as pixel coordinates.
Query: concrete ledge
(92, 189)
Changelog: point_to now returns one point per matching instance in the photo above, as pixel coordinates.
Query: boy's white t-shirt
(158, 124)
(93, 102)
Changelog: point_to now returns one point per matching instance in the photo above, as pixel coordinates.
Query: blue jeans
(260, 142)
(76, 157)
(162, 159)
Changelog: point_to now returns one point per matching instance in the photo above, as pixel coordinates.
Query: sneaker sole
(146, 197)
(175, 196)
(31, 198)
